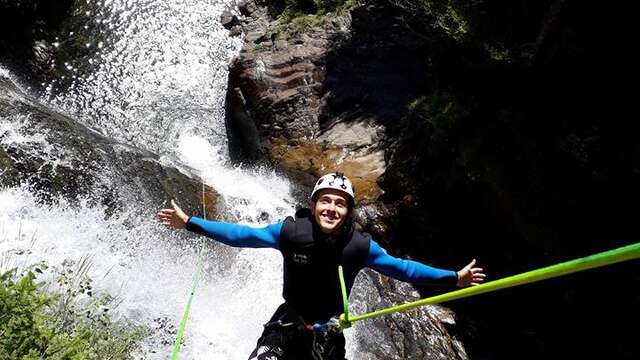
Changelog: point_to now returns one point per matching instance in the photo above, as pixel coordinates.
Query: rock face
(314, 98)
(56, 156)
(422, 333)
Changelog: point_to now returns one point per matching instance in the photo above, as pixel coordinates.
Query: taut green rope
(183, 324)
(344, 318)
(194, 286)
(625, 253)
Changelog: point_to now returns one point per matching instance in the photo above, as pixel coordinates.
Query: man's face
(330, 209)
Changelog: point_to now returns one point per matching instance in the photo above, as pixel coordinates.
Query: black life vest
(311, 259)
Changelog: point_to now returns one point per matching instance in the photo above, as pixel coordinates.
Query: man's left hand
(470, 275)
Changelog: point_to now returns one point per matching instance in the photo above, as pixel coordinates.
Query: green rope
(344, 318)
(625, 253)
(196, 279)
(183, 324)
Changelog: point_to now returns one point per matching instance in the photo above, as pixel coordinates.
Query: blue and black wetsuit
(311, 259)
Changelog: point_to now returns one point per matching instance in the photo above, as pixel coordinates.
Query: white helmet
(336, 181)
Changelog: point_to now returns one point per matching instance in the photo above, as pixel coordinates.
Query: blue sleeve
(407, 270)
(237, 235)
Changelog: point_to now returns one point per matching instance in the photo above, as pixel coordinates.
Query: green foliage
(301, 23)
(311, 12)
(36, 325)
(446, 18)
(438, 109)
(293, 9)
(498, 53)
(22, 334)
(338, 6)
(440, 15)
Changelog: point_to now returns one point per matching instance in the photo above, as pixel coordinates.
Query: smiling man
(313, 244)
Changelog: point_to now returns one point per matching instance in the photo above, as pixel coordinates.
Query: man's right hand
(174, 217)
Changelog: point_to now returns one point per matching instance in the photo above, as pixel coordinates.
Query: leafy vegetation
(440, 15)
(313, 11)
(73, 323)
(439, 109)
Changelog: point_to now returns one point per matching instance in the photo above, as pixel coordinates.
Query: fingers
(470, 275)
(477, 272)
(170, 217)
(471, 264)
(165, 214)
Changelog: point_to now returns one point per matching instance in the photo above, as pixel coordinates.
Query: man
(313, 244)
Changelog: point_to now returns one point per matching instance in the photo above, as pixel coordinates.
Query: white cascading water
(160, 84)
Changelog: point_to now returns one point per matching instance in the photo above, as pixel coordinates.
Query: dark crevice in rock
(375, 70)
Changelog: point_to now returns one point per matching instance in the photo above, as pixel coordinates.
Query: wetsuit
(311, 285)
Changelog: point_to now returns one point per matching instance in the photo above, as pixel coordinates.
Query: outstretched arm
(230, 234)
(415, 272)
(237, 235)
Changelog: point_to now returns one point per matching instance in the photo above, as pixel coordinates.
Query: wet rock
(58, 157)
(228, 20)
(246, 142)
(255, 36)
(317, 158)
(26, 29)
(329, 95)
(280, 86)
(376, 218)
(235, 31)
(421, 333)
(8, 172)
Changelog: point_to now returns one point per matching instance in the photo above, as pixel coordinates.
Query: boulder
(421, 333)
